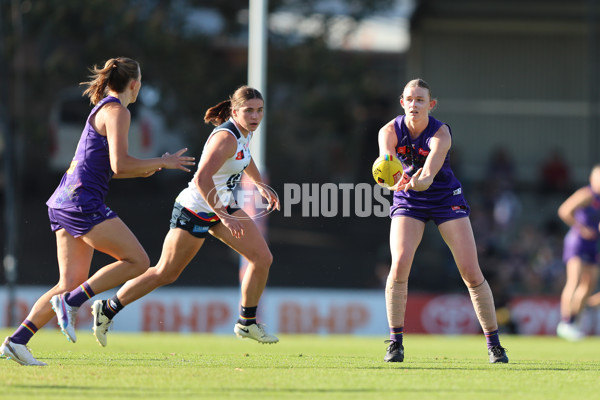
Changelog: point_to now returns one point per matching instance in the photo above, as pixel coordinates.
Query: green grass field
(189, 366)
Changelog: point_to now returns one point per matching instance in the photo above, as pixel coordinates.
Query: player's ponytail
(115, 75)
(220, 113)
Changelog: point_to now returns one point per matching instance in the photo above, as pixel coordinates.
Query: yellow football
(387, 170)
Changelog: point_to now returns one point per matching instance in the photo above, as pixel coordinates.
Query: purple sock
(79, 295)
(492, 339)
(24, 332)
(396, 334)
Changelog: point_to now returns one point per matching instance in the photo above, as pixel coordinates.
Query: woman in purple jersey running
(429, 191)
(78, 215)
(581, 212)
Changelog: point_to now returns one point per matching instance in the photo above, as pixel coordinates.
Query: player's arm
(114, 120)
(440, 145)
(254, 174)
(221, 146)
(148, 173)
(117, 119)
(387, 139)
(581, 198)
(566, 211)
(144, 175)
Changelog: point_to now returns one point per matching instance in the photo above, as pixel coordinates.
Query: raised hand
(177, 160)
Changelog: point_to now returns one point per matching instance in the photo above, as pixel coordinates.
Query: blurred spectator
(456, 163)
(555, 176)
(499, 192)
(507, 208)
(501, 170)
(381, 270)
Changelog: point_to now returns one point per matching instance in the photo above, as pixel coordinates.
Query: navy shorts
(197, 225)
(77, 223)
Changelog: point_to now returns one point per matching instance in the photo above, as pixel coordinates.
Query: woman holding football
(427, 191)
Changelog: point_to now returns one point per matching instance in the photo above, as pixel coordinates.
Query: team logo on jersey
(240, 155)
(401, 150)
(456, 192)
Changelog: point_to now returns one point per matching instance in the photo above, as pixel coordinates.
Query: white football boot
(66, 316)
(19, 353)
(569, 332)
(254, 331)
(101, 323)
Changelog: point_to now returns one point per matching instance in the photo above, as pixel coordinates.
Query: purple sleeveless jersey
(574, 244)
(444, 196)
(84, 186)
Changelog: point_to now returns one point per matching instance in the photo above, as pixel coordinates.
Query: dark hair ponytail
(220, 113)
(115, 75)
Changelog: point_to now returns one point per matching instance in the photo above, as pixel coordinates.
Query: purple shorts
(575, 246)
(77, 223)
(454, 206)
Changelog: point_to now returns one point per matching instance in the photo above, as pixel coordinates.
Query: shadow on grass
(128, 392)
(404, 389)
(113, 392)
(305, 362)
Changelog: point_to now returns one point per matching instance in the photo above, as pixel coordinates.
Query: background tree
(324, 106)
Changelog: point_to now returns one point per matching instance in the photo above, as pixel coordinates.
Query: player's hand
(177, 160)
(270, 196)
(417, 182)
(401, 184)
(234, 225)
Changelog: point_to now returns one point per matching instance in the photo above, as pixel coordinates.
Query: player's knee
(139, 264)
(263, 260)
(266, 259)
(399, 271)
(473, 279)
(166, 278)
(402, 260)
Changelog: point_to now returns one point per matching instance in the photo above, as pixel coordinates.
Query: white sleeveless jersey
(226, 178)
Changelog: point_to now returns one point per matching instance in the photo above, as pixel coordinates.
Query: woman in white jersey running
(207, 206)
